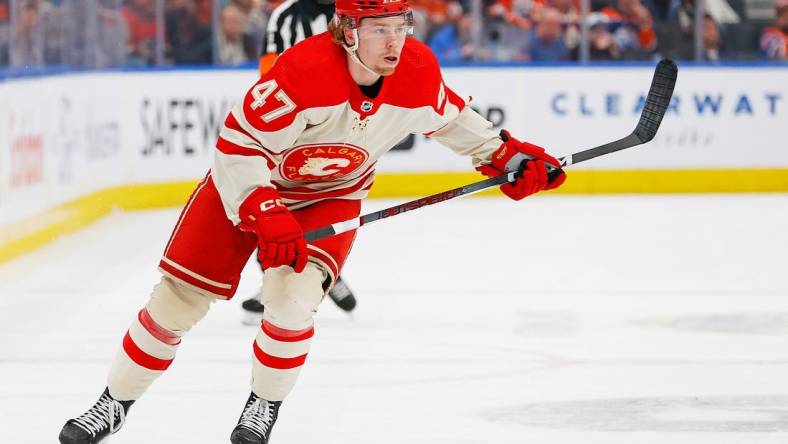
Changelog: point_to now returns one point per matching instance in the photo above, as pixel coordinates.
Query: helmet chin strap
(352, 51)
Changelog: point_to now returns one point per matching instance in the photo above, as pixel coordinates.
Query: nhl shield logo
(312, 163)
(366, 106)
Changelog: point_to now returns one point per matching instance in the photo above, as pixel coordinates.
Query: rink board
(75, 146)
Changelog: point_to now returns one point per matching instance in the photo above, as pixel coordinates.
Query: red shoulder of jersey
(419, 80)
(312, 73)
(317, 67)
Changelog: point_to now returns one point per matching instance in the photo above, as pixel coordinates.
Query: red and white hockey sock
(148, 349)
(279, 354)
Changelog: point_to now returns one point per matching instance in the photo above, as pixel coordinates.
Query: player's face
(380, 42)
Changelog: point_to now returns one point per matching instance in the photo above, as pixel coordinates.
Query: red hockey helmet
(358, 9)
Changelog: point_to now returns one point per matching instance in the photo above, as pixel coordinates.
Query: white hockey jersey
(308, 130)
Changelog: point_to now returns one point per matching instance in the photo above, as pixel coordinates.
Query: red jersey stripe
(218, 291)
(285, 335)
(157, 331)
(232, 123)
(323, 257)
(328, 194)
(230, 148)
(141, 358)
(275, 362)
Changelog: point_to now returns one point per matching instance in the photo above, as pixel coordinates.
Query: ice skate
(256, 421)
(341, 294)
(253, 311)
(106, 417)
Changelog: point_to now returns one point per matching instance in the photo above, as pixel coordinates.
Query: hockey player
(291, 22)
(299, 152)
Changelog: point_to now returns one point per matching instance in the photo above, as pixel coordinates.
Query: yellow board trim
(34, 232)
(754, 180)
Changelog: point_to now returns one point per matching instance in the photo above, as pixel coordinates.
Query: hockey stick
(657, 102)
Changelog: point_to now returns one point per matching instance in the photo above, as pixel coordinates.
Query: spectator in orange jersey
(774, 40)
(632, 28)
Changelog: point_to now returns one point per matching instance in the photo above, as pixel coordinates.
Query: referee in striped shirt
(291, 22)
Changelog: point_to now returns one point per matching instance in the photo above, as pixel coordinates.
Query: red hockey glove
(279, 236)
(533, 176)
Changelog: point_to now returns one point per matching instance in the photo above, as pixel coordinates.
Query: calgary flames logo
(322, 166)
(310, 163)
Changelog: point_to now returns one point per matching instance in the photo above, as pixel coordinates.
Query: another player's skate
(253, 311)
(342, 296)
(340, 293)
(103, 419)
(256, 421)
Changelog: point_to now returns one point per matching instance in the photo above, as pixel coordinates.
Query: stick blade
(658, 100)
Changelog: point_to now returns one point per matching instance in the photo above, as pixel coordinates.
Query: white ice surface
(640, 319)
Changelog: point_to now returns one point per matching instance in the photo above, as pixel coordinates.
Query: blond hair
(337, 29)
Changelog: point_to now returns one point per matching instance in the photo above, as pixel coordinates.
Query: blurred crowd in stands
(106, 33)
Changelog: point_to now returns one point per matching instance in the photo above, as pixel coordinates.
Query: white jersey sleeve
(265, 123)
(453, 123)
(469, 134)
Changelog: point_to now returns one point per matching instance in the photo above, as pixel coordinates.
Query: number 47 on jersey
(261, 92)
